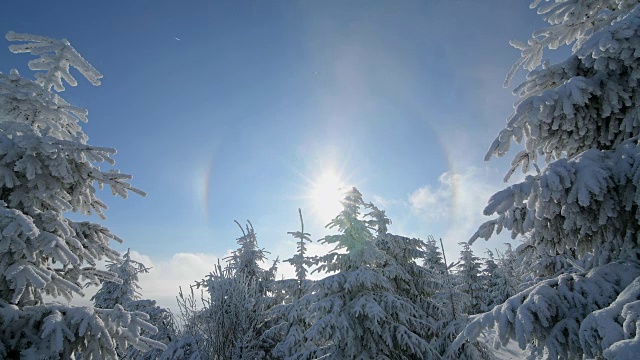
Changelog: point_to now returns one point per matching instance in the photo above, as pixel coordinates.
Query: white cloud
(166, 276)
(434, 203)
(455, 208)
(183, 269)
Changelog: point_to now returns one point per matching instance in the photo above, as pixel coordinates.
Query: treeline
(382, 296)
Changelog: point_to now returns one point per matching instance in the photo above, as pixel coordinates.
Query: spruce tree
(48, 170)
(469, 280)
(454, 317)
(580, 117)
(288, 322)
(357, 312)
(162, 319)
(433, 257)
(238, 295)
(126, 293)
(125, 288)
(300, 261)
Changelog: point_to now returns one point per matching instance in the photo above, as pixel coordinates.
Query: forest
(570, 289)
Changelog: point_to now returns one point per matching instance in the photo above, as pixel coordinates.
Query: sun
(325, 194)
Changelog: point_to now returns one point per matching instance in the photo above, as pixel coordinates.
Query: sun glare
(325, 195)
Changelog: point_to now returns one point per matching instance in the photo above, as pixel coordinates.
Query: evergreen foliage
(469, 280)
(47, 170)
(125, 289)
(580, 213)
(234, 317)
(358, 312)
(300, 261)
(288, 322)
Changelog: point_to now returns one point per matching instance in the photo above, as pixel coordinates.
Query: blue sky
(226, 110)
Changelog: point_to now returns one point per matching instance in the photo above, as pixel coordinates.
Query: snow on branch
(55, 58)
(562, 317)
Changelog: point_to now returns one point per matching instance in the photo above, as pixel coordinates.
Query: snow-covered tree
(47, 170)
(417, 283)
(190, 342)
(511, 264)
(500, 277)
(159, 317)
(287, 321)
(581, 117)
(357, 312)
(234, 312)
(469, 280)
(182, 347)
(300, 261)
(245, 261)
(453, 317)
(126, 293)
(433, 257)
(236, 298)
(378, 220)
(125, 289)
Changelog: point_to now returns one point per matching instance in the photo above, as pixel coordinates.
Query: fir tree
(245, 261)
(357, 312)
(453, 318)
(159, 317)
(126, 293)
(288, 322)
(500, 278)
(580, 116)
(300, 261)
(412, 281)
(433, 257)
(48, 170)
(125, 289)
(470, 284)
(232, 324)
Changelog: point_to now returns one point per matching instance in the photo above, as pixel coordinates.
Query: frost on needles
(47, 169)
(581, 116)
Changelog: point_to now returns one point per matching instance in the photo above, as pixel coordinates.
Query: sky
(237, 110)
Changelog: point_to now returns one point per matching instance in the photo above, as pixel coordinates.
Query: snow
(570, 291)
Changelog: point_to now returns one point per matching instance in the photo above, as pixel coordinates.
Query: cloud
(453, 208)
(435, 202)
(166, 276)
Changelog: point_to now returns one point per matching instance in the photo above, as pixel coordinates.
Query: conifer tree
(579, 116)
(300, 261)
(287, 321)
(238, 296)
(245, 261)
(47, 170)
(357, 312)
(510, 274)
(126, 293)
(417, 283)
(499, 281)
(159, 317)
(433, 257)
(453, 318)
(470, 284)
(125, 289)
